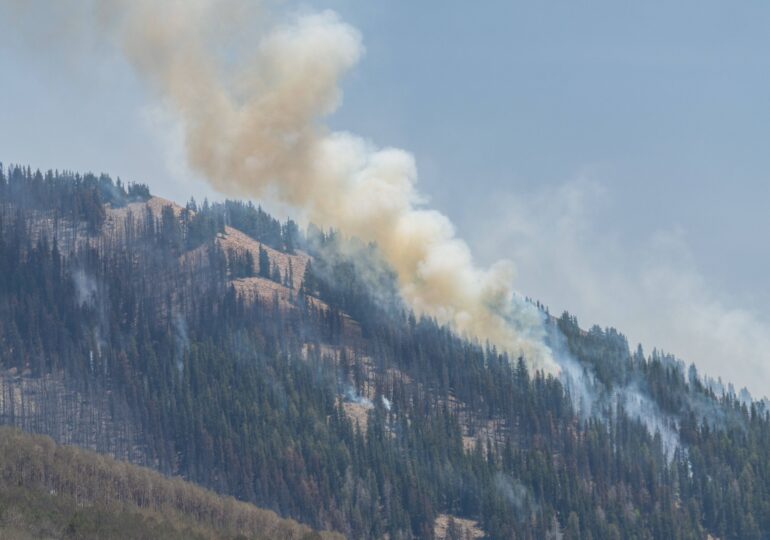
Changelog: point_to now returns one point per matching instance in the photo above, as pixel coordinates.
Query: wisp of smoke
(85, 288)
(386, 403)
(352, 396)
(257, 131)
(182, 339)
(641, 408)
(591, 398)
(516, 494)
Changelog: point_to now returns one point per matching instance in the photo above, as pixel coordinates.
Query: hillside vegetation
(51, 491)
(279, 366)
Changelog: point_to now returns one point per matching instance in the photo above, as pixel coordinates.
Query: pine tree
(264, 263)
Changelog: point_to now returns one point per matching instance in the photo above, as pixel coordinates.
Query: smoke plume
(255, 129)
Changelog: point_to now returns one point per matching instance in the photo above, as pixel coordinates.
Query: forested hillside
(50, 491)
(279, 366)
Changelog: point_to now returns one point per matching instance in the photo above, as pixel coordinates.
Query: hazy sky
(618, 153)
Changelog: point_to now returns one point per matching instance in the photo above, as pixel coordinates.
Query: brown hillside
(51, 491)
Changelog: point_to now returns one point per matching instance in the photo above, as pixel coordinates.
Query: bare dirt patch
(468, 527)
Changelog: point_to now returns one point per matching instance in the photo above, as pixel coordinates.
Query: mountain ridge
(326, 400)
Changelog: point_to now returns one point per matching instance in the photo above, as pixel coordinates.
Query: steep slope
(177, 338)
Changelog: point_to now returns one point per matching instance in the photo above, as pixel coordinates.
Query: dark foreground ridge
(279, 366)
(50, 491)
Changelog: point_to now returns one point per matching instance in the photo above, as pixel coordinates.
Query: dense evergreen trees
(248, 397)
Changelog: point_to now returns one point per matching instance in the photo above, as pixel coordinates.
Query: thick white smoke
(254, 128)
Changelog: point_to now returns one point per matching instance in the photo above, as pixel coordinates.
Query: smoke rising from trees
(257, 130)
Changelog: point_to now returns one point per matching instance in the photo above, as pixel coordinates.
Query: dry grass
(241, 243)
(106, 488)
(257, 289)
(115, 218)
(469, 527)
(358, 413)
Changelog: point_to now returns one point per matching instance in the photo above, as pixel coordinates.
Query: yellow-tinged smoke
(256, 131)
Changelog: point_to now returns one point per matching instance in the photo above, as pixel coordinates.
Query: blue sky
(666, 107)
(616, 152)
